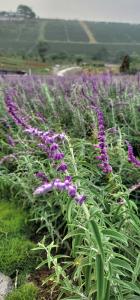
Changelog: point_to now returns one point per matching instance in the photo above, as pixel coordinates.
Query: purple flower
(131, 156)
(80, 199)
(72, 190)
(58, 156)
(14, 110)
(69, 178)
(43, 189)
(103, 157)
(54, 147)
(63, 167)
(58, 184)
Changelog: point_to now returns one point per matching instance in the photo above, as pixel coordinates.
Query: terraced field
(74, 37)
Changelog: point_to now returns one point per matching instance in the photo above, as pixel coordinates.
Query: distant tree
(125, 66)
(42, 48)
(25, 11)
(79, 59)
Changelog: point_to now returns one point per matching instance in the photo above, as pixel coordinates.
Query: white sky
(98, 10)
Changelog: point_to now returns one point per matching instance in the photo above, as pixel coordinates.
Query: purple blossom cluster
(60, 185)
(102, 146)
(13, 110)
(50, 144)
(131, 156)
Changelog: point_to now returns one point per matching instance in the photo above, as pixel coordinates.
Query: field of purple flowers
(70, 156)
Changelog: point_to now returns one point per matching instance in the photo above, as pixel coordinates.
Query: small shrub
(27, 291)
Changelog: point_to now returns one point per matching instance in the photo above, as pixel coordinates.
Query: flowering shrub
(56, 131)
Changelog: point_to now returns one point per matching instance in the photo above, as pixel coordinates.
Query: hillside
(73, 37)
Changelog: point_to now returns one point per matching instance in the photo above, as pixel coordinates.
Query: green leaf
(76, 242)
(136, 271)
(93, 228)
(128, 285)
(88, 276)
(115, 235)
(133, 297)
(71, 234)
(117, 262)
(107, 292)
(100, 277)
(69, 210)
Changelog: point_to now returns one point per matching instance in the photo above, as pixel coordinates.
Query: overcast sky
(98, 10)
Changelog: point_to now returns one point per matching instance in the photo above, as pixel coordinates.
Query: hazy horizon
(123, 11)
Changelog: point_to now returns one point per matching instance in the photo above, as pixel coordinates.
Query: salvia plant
(70, 153)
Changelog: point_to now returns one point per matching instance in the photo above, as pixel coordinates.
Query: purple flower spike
(103, 156)
(43, 189)
(58, 184)
(131, 156)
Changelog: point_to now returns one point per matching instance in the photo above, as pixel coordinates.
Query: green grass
(15, 254)
(27, 291)
(15, 247)
(12, 220)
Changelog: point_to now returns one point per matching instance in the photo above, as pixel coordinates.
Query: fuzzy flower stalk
(131, 157)
(13, 110)
(102, 146)
(49, 143)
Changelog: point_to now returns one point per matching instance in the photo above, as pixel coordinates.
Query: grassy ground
(16, 63)
(17, 259)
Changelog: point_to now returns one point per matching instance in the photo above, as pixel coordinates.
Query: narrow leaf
(115, 235)
(117, 262)
(94, 230)
(99, 277)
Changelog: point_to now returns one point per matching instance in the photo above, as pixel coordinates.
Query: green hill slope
(73, 37)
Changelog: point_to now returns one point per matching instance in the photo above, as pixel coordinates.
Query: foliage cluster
(92, 249)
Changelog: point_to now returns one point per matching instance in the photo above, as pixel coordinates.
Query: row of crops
(70, 158)
(69, 36)
(65, 31)
(115, 32)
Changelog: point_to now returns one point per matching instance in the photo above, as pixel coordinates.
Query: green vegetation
(16, 255)
(70, 37)
(27, 291)
(12, 220)
(77, 176)
(115, 32)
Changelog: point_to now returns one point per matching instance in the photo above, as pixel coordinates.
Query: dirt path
(88, 32)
